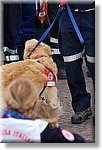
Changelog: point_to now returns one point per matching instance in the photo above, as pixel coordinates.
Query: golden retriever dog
(41, 70)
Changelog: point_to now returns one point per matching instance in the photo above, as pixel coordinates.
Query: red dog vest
(51, 78)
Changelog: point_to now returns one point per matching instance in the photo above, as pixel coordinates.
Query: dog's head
(42, 50)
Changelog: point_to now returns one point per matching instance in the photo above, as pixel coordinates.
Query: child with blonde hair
(21, 121)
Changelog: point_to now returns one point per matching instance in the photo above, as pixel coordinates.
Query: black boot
(80, 117)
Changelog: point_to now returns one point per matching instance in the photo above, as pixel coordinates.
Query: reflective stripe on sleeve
(90, 59)
(73, 57)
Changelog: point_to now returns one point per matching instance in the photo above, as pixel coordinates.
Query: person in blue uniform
(11, 21)
(21, 122)
(58, 58)
(72, 51)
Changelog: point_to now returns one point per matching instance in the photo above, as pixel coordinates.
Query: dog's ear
(43, 49)
(48, 50)
(29, 45)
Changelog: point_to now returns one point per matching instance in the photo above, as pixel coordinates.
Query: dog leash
(46, 32)
(75, 24)
(50, 27)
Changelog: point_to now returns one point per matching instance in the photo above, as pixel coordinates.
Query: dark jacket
(55, 135)
(27, 28)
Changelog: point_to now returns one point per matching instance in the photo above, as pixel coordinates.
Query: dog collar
(36, 57)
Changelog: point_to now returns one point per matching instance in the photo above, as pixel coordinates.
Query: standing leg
(71, 50)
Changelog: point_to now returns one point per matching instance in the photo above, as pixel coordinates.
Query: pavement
(85, 129)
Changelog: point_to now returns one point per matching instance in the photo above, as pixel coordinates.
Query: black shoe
(61, 74)
(80, 117)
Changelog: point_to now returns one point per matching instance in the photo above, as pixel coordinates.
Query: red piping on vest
(51, 79)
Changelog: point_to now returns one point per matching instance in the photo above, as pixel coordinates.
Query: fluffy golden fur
(33, 70)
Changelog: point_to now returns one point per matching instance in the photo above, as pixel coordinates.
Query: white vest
(19, 130)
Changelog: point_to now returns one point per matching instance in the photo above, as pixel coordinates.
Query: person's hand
(63, 2)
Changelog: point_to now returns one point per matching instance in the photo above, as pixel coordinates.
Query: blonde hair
(22, 96)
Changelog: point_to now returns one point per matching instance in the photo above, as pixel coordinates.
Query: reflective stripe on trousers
(73, 57)
(53, 40)
(90, 59)
(12, 58)
(56, 51)
(6, 49)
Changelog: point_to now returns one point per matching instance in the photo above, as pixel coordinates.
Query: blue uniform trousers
(72, 52)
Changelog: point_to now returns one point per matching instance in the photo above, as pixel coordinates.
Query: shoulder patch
(68, 135)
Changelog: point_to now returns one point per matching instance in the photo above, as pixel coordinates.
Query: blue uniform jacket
(26, 30)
